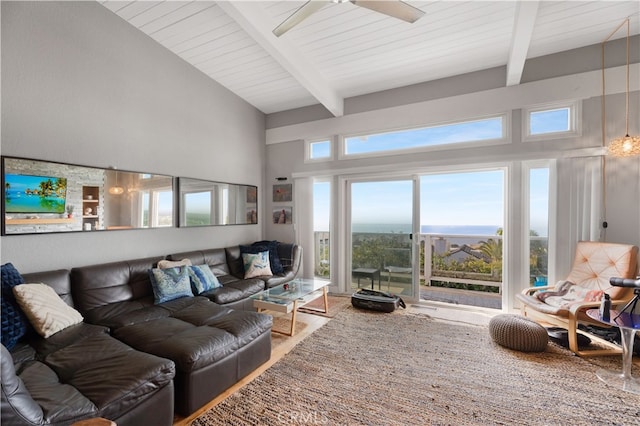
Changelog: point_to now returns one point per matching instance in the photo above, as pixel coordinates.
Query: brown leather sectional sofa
(131, 360)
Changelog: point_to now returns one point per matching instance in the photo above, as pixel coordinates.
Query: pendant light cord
(604, 127)
(627, 110)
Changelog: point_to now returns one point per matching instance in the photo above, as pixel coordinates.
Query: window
(538, 225)
(321, 228)
(550, 121)
(197, 208)
(481, 130)
(155, 208)
(318, 150)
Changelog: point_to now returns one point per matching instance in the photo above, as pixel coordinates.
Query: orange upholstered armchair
(565, 304)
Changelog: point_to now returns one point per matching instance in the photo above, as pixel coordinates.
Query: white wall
(80, 85)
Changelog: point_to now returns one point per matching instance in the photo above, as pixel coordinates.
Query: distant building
(463, 252)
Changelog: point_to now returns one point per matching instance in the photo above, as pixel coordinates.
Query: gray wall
(80, 85)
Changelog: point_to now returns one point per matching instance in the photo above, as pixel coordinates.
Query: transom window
(550, 121)
(481, 130)
(318, 150)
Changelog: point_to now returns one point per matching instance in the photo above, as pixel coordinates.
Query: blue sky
(490, 128)
(447, 199)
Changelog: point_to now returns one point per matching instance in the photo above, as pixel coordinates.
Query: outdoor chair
(565, 304)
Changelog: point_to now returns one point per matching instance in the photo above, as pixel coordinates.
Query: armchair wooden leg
(573, 335)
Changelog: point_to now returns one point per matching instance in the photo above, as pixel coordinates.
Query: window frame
(575, 121)
(504, 139)
(307, 150)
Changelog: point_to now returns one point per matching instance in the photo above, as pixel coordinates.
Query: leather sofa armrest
(17, 402)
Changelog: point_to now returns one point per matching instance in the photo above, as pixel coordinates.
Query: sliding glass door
(381, 235)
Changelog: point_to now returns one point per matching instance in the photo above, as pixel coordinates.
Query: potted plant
(70, 211)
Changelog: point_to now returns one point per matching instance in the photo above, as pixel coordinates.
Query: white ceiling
(344, 50)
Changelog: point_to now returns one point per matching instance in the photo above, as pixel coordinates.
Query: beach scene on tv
(34, 194)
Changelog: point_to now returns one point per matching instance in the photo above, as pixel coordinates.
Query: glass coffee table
(290, 296)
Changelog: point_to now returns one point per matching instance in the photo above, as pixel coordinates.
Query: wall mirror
(206, 203)
(43, 197)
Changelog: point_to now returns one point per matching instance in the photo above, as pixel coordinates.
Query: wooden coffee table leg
(293, 318)
(326, 299)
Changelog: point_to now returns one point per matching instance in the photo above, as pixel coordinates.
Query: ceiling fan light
(627, 146)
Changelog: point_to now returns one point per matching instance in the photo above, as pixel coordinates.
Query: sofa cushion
(272, 248)
(14, 322)
(58, 279)
(169, 284)
(195, 335)
(202, 279)
(47, 313)
(112, 375)
(117, 314)
(256, 265)
(215, 258)
(64, 338)
(100, 285)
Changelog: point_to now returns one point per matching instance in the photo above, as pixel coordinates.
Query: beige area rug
(336, 305)
(366, 368)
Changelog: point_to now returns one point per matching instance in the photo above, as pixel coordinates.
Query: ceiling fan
(394, 8)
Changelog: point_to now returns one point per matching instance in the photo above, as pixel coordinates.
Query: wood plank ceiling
(344, 50)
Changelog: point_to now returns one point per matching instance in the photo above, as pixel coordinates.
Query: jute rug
(364, 368)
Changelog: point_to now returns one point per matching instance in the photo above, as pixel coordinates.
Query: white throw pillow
(166, 264)
(256, 265)
(46, 311)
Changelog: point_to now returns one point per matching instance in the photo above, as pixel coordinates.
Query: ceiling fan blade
(306, 10)
(397, 9)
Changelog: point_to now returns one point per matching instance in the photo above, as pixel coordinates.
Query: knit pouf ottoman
(518, 333)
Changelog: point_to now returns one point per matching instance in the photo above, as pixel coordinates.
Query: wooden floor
(280, 346)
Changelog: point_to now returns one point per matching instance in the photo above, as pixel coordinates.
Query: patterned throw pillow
(46, 311)
(256, 265)
(14, 322)
(169, 284)
(272, 247)
(202, 279)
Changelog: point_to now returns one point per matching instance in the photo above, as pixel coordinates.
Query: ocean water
(18, 202)
(385, 228)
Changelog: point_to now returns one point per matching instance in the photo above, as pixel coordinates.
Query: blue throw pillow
(202, 279)
(169, 284)
(14, 322)
(272, 248)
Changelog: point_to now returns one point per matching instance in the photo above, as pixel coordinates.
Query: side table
(369, 273)
(628, 324)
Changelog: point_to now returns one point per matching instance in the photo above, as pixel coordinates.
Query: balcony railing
(471, 262)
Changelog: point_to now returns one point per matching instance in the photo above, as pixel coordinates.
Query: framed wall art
(282, 193)
(282, 215)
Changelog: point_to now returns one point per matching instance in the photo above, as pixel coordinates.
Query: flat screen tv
(34, 194)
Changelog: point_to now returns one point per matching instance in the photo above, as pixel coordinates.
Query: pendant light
(117, 189)
(626, 146)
